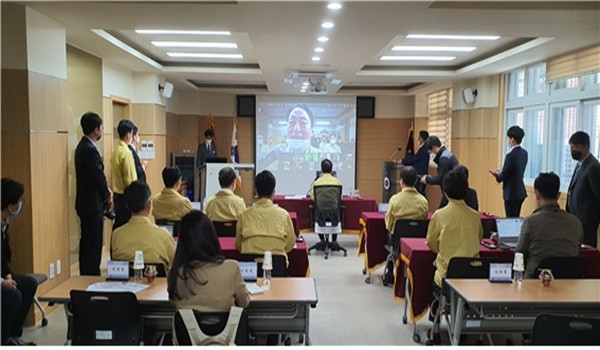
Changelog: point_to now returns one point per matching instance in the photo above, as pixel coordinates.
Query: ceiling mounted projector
(312, 82)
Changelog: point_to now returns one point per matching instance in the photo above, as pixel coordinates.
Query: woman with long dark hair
(201, 278)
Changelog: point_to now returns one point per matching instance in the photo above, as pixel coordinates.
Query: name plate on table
(118, 270)
(501, 272)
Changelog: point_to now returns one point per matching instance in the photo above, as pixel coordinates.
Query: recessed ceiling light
(334, 6)
(182, 32)
(194, 44)
(305, 83)
(434, 48)
(327, 25)
(452, 37)
(323, 39)
(205, 55)
(319, 49)
(417, 58)
(316, 58)
(323, 122)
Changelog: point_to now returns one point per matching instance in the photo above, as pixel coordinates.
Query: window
(440, 113)
(550, 116)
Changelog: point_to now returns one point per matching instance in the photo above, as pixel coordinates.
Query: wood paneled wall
(376, 139)
(34, 152)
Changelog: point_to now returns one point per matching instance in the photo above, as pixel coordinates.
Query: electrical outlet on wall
(51, 270)
(58, 267)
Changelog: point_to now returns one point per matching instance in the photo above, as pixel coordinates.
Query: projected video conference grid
(293, 137)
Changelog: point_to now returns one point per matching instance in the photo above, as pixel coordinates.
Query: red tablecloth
(353, 207)
(298, 258)
(415, 253)
(294, 218)
(372, 230)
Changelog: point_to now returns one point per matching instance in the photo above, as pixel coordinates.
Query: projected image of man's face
(299, 125)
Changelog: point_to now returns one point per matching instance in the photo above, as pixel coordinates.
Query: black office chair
(565, 330)
(105, 318)
(170, 225)
(571, 267)
(327, 216)
(225, 228)
(212, 324)
(458, 267)
(279, 263)
(403, 228)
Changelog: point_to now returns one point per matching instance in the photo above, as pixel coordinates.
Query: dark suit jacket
(512, 175)
(139, 169)
(583, 198)
(203, 153)
(446, 161)
(419, 160)
(92, 189)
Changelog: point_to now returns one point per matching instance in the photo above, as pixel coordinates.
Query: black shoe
(18, 341)
(335, 246)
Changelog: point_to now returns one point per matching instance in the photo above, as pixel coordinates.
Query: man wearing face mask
(299, 131)
(206, 150)
(17, 290)
(93, 194)
(333, 146)
(583, 197)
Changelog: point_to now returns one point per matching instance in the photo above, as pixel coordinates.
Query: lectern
(209, 176)
(390, 179)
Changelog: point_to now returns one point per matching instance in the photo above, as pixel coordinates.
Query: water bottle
(518, 267)
(267, 270)
(138, 266)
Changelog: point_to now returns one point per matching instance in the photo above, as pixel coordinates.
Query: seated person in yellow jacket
(455, 230)
(225, 205)
(408, 203)
(140, 233)
(326, 179)
(265, 226)
(169, 204)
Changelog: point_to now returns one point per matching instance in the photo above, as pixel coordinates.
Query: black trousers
(513, 208)
(90, 244)
(122, 212)
(15, 305)
(421, 188)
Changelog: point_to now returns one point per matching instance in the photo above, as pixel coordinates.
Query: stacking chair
(225, 228)
(171, 226)
(279, 264)
(101, 318)
(458, 267)
(40, 278)
(403, 228)
(327, 215)
(565, 330)
(571, 267)
(215, 328)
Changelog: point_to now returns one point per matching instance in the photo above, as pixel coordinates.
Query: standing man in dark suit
(206, 150)
(140, 165)
(583, 197)
(445, 160)
(513, 187)
(93, 194)
(419, 160)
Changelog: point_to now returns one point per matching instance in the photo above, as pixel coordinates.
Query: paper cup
(138, 262)
(518, 263)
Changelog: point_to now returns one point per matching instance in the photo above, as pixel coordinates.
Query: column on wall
(34, 139)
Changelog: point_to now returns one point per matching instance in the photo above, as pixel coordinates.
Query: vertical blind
(440, 115)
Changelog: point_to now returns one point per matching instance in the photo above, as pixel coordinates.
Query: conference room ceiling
(277, 39)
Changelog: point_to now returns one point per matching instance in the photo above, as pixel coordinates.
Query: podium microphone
(395, 151)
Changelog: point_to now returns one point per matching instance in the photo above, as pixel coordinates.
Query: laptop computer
(249, 271)
(509, 230)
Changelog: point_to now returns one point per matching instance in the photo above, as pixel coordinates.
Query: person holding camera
(94, 197)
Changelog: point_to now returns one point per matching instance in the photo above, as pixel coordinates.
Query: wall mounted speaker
(246, 105)
(365, 107)
(167, 89)
(469, 95)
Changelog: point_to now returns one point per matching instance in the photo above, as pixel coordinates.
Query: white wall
(116, 80)
(46, 45)
(145, 88)
(201, 103)
(394, 107)
(487, 92)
